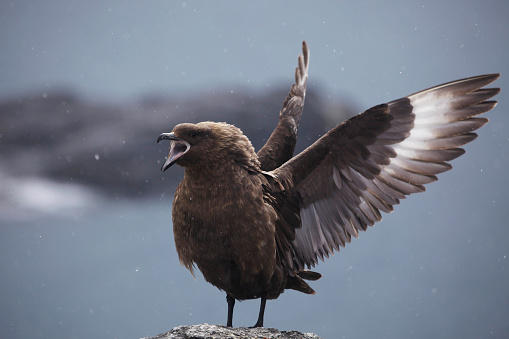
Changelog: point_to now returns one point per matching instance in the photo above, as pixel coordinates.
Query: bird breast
(226, 229)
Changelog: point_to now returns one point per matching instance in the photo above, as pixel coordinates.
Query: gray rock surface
(206, 331)
(111, 146)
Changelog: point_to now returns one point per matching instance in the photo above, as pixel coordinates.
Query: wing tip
(463, 86)
(301, 72)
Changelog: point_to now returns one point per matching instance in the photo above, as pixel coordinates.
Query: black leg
(231, 303)
(259, 323)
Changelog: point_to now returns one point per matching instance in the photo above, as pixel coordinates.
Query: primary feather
(368, 163)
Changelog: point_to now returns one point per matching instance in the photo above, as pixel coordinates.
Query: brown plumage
(254, 223)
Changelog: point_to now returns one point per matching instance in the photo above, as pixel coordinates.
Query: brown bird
(253, 223)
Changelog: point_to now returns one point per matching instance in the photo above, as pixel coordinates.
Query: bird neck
(200, 177)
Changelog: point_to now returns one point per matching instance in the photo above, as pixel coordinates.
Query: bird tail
(297, 282)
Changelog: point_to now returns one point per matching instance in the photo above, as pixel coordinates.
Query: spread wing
(280, 146)
(368, 163)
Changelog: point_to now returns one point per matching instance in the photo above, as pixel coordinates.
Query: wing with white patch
(371, 161)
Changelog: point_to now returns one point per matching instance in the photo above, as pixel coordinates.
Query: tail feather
(309, 275)
(297, 282)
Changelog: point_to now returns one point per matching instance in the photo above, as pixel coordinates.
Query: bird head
(208, 144)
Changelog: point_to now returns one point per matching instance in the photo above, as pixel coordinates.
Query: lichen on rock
(206, 331)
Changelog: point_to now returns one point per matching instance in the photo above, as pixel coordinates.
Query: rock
(206, 331)
(112, 146)
(62, 143)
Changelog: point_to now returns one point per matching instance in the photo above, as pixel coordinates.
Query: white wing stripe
(426, 131)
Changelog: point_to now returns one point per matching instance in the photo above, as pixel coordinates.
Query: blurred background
(86, 244)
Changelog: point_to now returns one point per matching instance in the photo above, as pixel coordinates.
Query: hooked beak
(178, 148)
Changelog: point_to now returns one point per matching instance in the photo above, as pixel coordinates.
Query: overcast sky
(450, 241)
(370, 51)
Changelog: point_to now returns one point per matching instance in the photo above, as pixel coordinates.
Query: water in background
(437, 268)
(113, 272)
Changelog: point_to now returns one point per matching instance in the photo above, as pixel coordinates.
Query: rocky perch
(206, 331)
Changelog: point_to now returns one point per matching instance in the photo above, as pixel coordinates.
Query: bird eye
(193, 134)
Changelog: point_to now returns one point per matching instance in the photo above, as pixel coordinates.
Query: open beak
(178, 148)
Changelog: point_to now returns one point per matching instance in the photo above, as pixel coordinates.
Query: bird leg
(231, 302)
(259, 323)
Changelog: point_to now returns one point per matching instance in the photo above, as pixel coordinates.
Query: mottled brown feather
(280, 146)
